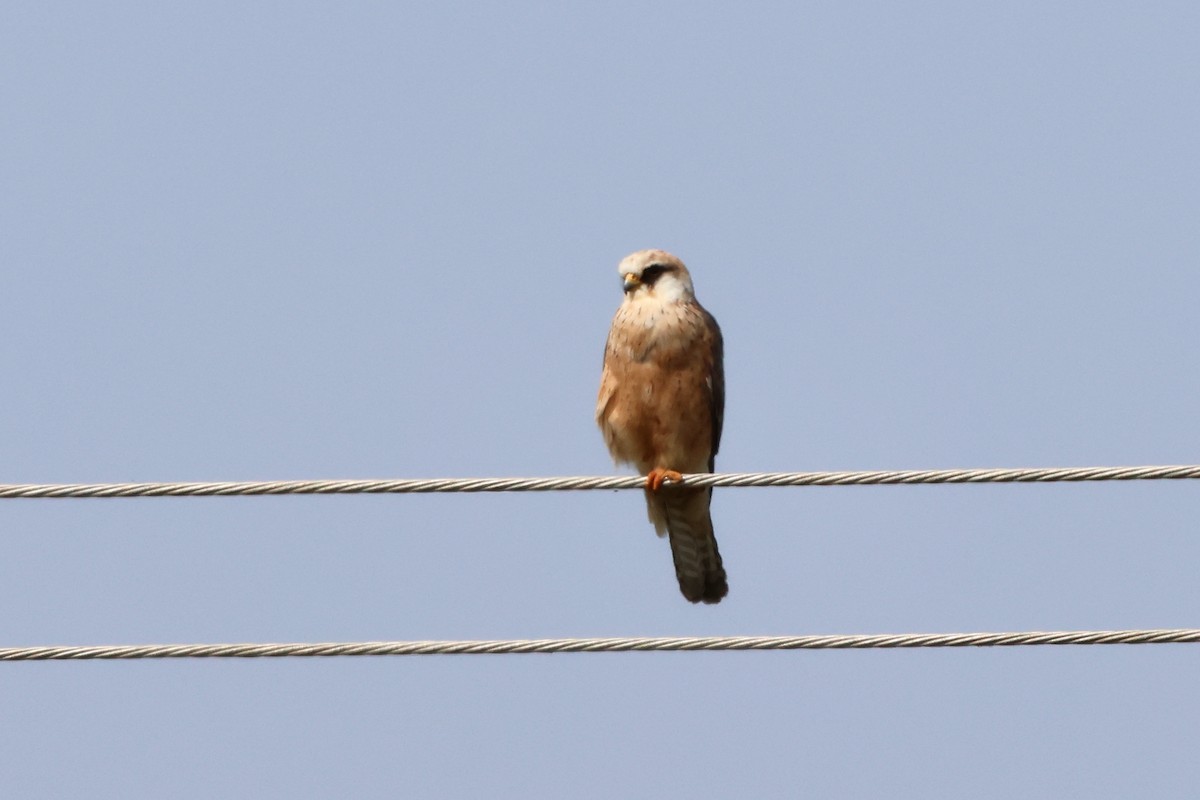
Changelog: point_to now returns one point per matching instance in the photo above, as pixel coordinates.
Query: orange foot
(654, 480)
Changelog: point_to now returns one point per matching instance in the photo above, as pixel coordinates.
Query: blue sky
(271, 241)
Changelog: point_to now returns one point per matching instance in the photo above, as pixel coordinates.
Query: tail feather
(684, 516)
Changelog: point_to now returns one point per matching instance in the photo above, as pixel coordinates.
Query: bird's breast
(642, 331)
(653, 403)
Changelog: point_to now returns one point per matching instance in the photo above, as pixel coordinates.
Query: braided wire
(636, 644)
(740, 479)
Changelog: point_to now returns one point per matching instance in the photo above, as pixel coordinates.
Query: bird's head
(657, 275)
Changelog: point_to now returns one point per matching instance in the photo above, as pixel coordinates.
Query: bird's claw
(656, 477)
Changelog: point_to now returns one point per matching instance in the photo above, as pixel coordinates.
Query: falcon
(661, 405)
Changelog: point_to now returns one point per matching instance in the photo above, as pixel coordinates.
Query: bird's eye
(650, 274)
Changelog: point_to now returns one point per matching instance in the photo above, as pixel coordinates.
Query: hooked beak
(631, 282)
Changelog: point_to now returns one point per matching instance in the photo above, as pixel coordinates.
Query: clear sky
(287, 240)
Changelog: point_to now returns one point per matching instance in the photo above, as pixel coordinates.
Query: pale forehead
(636, 262)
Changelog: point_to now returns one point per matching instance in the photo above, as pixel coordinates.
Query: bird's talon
(658, 476)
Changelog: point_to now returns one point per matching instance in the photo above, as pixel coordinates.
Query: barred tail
(689, 528)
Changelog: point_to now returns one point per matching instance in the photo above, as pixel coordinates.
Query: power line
(636, 644)
(741, 479)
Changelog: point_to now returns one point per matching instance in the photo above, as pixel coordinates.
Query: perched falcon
(661, 404)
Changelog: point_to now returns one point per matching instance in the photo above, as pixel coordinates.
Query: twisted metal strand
(741, 479)
(636, 644)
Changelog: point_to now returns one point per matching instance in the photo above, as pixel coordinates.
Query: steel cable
(739, 479)
(609, 645)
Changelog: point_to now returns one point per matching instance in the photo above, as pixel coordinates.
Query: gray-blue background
(285, 240)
